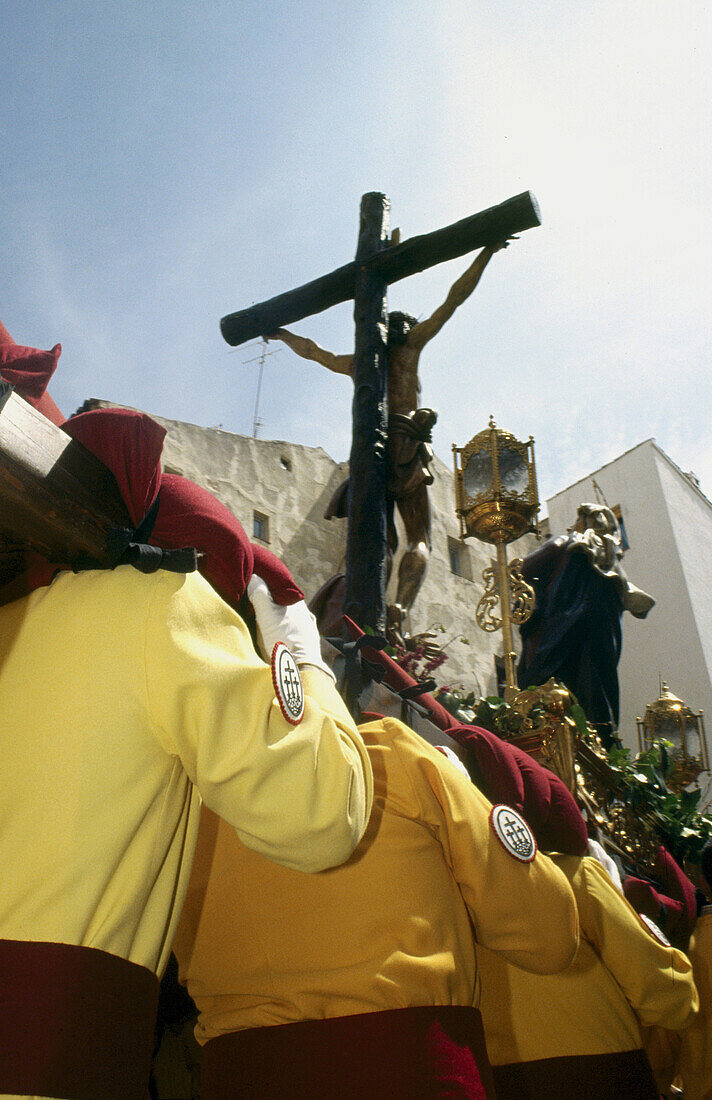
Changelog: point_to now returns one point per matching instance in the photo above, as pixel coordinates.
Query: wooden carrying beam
(397, 262)
(55, 497)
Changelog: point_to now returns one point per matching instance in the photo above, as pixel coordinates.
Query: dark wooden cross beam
(366, 281)
(393, 263)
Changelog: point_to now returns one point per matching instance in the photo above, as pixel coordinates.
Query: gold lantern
(496, 499)
(669, 719)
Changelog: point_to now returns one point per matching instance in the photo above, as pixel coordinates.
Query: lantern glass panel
(513, 471)
(692, 738)
(478, 474)
(669, 729)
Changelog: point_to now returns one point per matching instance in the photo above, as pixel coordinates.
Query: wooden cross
(365, 280)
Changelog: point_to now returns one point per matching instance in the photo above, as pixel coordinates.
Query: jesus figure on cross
(409, 432)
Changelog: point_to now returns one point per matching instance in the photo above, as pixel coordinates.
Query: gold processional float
(496, 500)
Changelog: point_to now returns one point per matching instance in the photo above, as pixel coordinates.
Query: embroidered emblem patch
(656, 932)
(513, 833)
(287, 684)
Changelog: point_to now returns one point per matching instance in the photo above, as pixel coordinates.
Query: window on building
(459, 558)
(260, 527)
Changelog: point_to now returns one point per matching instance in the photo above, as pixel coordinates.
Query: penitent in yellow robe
(124, 699)
(688, 1053)
(622, 977)
(261, 945)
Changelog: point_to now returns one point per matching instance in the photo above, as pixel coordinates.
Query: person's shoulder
(385, 731)
(577, 869)
(391, 731)
(703, 928)
(126, 589)
(161, 580)
(406, 753)
(589, 873)
(400, 747)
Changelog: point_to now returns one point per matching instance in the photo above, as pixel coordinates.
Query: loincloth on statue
(409, 458)
(409, 451)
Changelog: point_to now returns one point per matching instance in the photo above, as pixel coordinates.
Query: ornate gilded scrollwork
(549, 733)
(600, 791)
(485, 614)
(522, 593)
(522, 597)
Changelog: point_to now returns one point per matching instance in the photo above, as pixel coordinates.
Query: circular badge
(656, 932)
(287, 684)
(513, 833)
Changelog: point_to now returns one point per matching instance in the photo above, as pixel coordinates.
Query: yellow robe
(124, 698)
(391, 928)
(688, 1054)
(622, 977)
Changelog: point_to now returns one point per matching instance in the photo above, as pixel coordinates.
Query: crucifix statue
(390, 446)
(409, 434)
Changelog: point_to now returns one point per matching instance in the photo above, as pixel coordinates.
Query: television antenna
(257, 420)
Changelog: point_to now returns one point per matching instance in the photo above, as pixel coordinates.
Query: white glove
(454, 759)
(597, 852)
(294, 625)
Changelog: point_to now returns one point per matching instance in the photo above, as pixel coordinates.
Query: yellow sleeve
(298, 794)
(663, 1050)
(657, 980)
(524, 911)
(695, 1061)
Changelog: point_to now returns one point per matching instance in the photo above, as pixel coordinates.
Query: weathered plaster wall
(291, 486)
(288, 484)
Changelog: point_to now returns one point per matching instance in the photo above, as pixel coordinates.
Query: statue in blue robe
(574, 633)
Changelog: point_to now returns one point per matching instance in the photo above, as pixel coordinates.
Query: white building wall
(667, 520)
(691, 519)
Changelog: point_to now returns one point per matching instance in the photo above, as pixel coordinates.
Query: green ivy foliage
(681, 828)
(642, 779)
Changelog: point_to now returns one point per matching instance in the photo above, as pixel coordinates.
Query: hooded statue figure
(574, 634)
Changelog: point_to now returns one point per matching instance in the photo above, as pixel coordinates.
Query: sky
(167, 163)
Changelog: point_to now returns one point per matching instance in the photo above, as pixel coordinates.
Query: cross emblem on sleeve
(287, 683)
(513, 833)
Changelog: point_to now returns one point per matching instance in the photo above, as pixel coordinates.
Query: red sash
(625, 1073)
(74, 1022)
(400, 1054)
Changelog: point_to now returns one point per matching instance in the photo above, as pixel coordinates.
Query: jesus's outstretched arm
(340, 364)
(459, 292)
